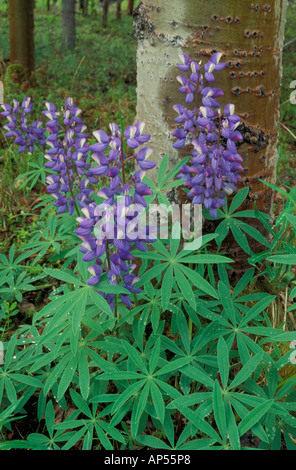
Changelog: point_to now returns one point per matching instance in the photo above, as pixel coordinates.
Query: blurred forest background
(100, 74)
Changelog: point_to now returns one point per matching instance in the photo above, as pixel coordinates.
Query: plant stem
(122, 162)
(71, 190)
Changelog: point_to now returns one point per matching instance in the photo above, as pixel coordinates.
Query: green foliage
(197, 362)
(192, 352)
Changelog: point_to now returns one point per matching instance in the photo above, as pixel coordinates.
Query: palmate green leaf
(84, 379)
(152, 273)
(10, 351)
(135, 357)
(192, 399)
(79, 308)
(173, 366)
(289, 259)
(27, 380)
(183, 330)
(80, 403)
(56, 372)
(154, 357)
(157, 400)
(246, 371)
(242, 348)
(67, 377)
(75, 438)
(100, 302)
(252, 232)
(293, 293)
(49, 418)
(166, 288)
(198, 374)
(204, 259)
(253, 417)
(238, 199)
(153, 442)
(175, 170)
(175, 239)
(240, 238)
(243, 282)
(63, 276)
(292, 220)
(152, 255)
(207, 334)
(140, 407)
(197, 444)
(223, 361)
(127, 394)
(222, 231)
(162, 169)
(121, 375)
(227, 302)
(199, 422)
(196, 244)
(185, 287)
(16, 444)
(231, 427)
(257, 309)
(289, 443)
(280, 190)
(198, 281)
(219, 410)
(10, 390)
(242, 412)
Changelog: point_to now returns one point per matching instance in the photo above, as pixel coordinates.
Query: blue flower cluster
(77, 169)
(212, 135)
(25, 134)
(67, 157)
(110, 246)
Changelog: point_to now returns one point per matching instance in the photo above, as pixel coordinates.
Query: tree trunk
(105, 13)
(21, 24)
(250, 36)
(118, 10)
(48, 5)
(130, 7)
(83, 7)
(69, 28)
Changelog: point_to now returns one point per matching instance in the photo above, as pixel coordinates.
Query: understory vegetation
(188, 353)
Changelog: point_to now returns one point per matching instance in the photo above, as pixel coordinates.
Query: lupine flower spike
(211, 134)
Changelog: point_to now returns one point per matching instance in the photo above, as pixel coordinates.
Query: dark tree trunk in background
(69, 29)
(21, 24)
(105, 13)
(83, 7)
(118, 10)
(130, 7)
(48, 5)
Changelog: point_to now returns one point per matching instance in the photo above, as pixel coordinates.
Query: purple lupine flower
(106, 229)
(68, 157)
(25, 135)
(215, 165)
